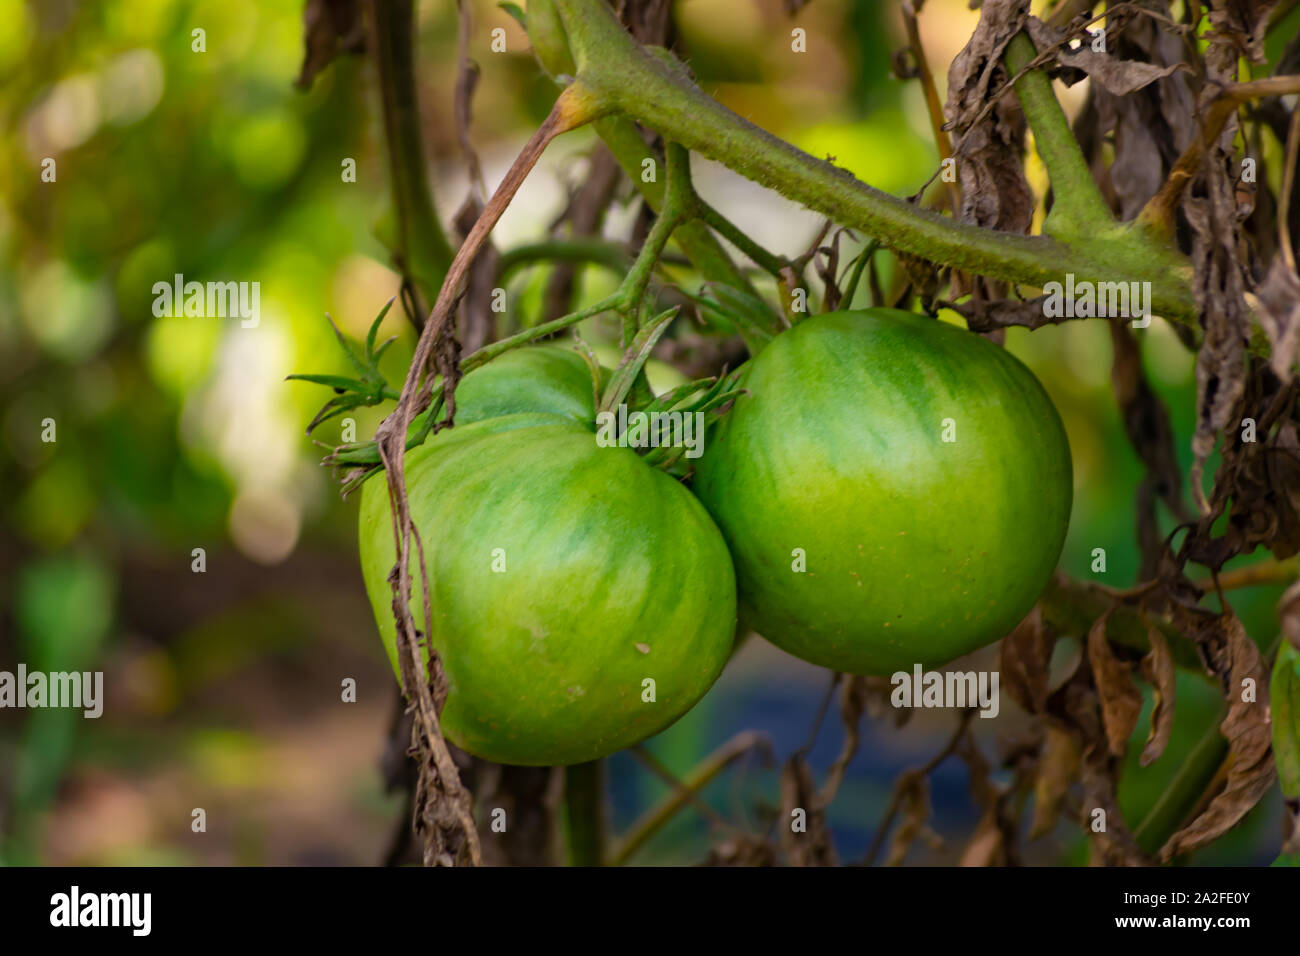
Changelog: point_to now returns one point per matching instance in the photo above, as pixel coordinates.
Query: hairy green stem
(700, 245)
(488, 352)
(1072, 607)
(622, 76)
(728, 230)
(1078, 208)
(589, 249)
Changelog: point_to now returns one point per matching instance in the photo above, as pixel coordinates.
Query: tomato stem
(584, 813)
(625, 78)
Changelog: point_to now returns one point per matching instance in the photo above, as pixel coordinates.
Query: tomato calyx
(370, 388)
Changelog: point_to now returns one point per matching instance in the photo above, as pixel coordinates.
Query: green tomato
(582, 600)
(920, 471)
(545, 378)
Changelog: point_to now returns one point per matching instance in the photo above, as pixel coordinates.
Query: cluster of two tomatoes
(888, 490)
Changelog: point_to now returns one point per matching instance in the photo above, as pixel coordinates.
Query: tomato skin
(614, 573)
(917, 550)
(542, 378)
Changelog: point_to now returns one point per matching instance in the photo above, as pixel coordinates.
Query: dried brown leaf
(986, 846)
(915, 809)
(1058, 770)
(1115, 75)
(1234, 656)
(1279, 316)
(990, 172)
(1113, 843)
(1158, 669)
(330, 28)
(1026, 654)
(1120, 700)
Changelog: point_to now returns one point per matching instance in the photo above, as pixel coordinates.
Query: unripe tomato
(894, 491)
(582, 600)
(544, 378)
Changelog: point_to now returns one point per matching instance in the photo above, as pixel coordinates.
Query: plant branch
(622, 76)
(584, 813)
(1078, 208)
(590, 249)
(1072, 607)
(449, 805)
(942, 142)
(420, 247)
(686, 791)
(767, 261)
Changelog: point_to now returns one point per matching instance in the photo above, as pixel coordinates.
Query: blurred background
(222, 687)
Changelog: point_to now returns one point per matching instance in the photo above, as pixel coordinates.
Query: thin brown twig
(1157, 214)
(907, 776)
(466, 80)
(571, 110)
(942, 142)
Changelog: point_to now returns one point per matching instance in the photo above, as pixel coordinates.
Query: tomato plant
(893, 490)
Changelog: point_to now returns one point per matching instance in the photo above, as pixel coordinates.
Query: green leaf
(858, 265)
(514, 10)
(1284, 700)
(331, 381)
(634, 359)
(374, 329)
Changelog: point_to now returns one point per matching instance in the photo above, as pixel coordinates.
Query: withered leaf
(914, 808)
(1058, 769)
(1120, 77)
(1121, 702)
(1114, 845)
(1158, 669)
(330, 28)
(986, 315)
(1279, 316)
(990, 173)
(1247, 730)
(987, 845)
(1026, 654)
(1220, 290)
